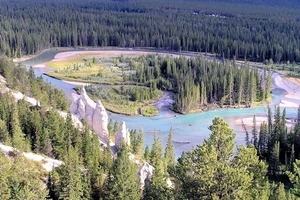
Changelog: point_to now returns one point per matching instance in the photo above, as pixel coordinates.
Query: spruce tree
(254, 133)
(18, 137)
(121, 182)
(210, 172)
(147, 153)
(70, 184)
(294, 177)
(169, 151)
(4, 177)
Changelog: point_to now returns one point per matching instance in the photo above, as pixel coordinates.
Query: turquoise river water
(189, 129)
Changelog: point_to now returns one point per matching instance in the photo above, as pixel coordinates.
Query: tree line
(244, 31)
(199, 83)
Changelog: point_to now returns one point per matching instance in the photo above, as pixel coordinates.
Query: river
(190, 129)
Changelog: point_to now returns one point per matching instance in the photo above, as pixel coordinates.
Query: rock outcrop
(93, 113)
(122, 136)
(145, 173)
(47, 163)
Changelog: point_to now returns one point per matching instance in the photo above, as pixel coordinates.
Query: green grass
(114, 101)
(85, 68)
(149, 111)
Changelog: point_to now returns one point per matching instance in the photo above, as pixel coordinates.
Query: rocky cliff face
(122, 136)
(93, 113)
(145, 173)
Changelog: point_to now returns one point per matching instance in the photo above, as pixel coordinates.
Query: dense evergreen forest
(266, 168)
(212, 170)
(256, 30)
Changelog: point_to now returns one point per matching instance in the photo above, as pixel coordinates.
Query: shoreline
(291, 99)
(290, 85)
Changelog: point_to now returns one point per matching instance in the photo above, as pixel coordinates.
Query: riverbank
(191, 127)
(290, 99)
(293, 92)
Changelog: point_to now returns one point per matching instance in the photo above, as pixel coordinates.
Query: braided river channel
(188, 130)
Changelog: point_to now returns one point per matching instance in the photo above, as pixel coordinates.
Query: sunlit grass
(149, 111)
(61, 64)
(118, 103)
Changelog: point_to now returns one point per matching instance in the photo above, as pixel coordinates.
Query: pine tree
(18, 137)
(147, 153)
(254, 133)
(121, 181)
(4, 135)
(169, 151)
(209, 172)
(263, 140)
(4, 177)
(295, 178)
(70, 185)
(278, 192)
(158, 188)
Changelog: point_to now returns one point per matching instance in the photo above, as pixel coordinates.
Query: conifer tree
(278, 192)
(169, 151)
(70, 185)
(254, 133)
(158, 188)
(147, 154)
(4, 177)
(121, 182)
(18, 137)
(295, 178)
(4, 135)
(209, 172)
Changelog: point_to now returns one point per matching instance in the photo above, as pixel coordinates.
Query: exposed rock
(145, 173)
(94, 114)
(100, 120)
(122, 136)
(47, 163)
(76, 122)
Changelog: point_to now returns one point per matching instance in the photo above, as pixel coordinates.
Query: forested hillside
(245, 31)
(212, 170)
(278, 3)
(266, 168)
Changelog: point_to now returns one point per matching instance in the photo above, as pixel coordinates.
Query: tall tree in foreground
(121, 182)
(295, 178)
(169, 151)
(158, 188)
(18, 137)
(210, 171)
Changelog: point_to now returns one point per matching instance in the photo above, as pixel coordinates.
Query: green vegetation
(92, 69)
(212, 170)
(20, 79)
(209, 171)
(247, 29)
(149, 111)
(201, 84)
(198, 84)
(21, 178)
(124, 99)
(288, 69)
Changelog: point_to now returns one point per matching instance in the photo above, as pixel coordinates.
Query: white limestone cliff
(93, 113)
(145, 173)
(122, 136)
(100, 120)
